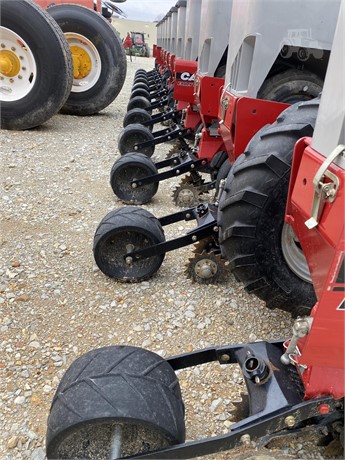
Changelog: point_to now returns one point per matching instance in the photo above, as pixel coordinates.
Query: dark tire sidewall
(54, 68)
(88, 23)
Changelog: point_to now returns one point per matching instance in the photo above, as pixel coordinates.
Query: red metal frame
(184, 77)
(207, 94)
(241, 118)
(184, 80)
(323, 349)
(159, 54)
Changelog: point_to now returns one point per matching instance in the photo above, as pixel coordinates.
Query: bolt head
(245, 439)
(290, 421)
(225, 358)
(324, 409)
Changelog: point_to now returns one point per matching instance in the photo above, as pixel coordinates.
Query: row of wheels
(53, 60)
(263, 251)
(290, 87)
(136, 398)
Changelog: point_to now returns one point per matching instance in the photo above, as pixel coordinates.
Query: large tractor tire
(263, 251)
(35, 65)
(99, 59)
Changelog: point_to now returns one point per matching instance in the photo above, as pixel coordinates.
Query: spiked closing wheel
(174, 150)
(187, 193)
(186, 196)
(206, 268)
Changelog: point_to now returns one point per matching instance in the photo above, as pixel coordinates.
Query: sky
(146, 10)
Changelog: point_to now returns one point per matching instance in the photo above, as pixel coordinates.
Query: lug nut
(129, 260)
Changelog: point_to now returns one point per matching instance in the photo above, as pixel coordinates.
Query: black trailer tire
(140, 92)
(127, 227)
(125, 170)
(117, 387)
(291, 86)
(133, 135)
(104, 58)
(139, 102)
(253, 235)
(40, 77)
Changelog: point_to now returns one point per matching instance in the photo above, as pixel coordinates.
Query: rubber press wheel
(263, 251)
(125, 170)
(115, 402)
(123, 231)
(133, 135)
(140, 92)
(141, 78)
(139, 102)
(137, 116)
(35, 80)
(140, 86)
(98, 56)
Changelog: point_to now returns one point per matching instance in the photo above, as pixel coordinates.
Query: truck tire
(262, 251)
(291, 86)
(102, 62)
(117, 386)
(38, 78)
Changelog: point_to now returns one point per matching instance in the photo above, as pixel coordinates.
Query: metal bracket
(324, 191)
(224, 105)
(224, 102)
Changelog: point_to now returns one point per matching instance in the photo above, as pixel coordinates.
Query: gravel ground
(56, 305)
